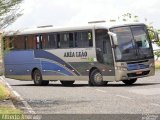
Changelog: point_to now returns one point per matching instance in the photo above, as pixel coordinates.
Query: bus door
(104, 50)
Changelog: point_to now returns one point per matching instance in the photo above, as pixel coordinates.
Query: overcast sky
(71, 12)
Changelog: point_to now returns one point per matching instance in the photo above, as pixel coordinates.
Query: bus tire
(37, 78)
(96, 79)
(67, 83)
(130, 82)
(90, 83)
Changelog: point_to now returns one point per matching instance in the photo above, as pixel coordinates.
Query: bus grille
(137, 66)
(137, 75)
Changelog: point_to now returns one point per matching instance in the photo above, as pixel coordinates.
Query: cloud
(70, 12)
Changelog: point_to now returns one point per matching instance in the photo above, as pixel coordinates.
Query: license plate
(138, 73)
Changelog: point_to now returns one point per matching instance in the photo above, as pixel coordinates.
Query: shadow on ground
(85, 85)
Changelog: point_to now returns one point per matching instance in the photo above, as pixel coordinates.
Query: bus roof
(42, 30)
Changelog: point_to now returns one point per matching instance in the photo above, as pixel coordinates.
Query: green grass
(9, 113)
(9, 110)
(4, 109)
(4, 92)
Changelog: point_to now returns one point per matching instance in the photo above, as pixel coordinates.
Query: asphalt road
(141, 98)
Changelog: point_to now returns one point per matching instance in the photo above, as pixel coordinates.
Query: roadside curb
(18, 101)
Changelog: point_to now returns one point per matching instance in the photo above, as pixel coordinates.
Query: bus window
(19, 43)
(83, 39)
(71, 40)
(25, 42)
(30, 43)
(64, 40)
(11, 44)
(103, 47)
(39, 41)
(90, 39)
(51, 41)
(58, 40)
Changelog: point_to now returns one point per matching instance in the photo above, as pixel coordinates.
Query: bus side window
(58, 41)
(51, 41)
(11, 44)
(39, 41)
(75, 39)
(84, 39)
(25, 42)
(90, 39)
(19, 42)
(64, 40)
(71, 40)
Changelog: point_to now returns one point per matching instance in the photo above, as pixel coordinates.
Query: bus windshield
(133, 43)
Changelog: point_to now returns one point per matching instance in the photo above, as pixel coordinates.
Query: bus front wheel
(130, 82)
(67, 83)
(96, 79)
(37, 78)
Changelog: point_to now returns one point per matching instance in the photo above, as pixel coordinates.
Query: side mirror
(114, 38)
(156, 36)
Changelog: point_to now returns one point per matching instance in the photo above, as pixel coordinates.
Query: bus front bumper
(127, 75)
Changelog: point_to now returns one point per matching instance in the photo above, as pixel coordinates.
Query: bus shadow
(134, 85)
(54, 85)
(86, 85)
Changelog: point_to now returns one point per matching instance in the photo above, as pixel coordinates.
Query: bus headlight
(121, 68)
(124, 68)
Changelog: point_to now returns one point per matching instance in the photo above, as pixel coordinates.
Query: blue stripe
(49, 56)
(54, 67)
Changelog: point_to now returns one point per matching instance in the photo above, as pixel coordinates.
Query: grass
(4, 93)
(157, 64)
(4, 109)
(10, 113)
(9, 110)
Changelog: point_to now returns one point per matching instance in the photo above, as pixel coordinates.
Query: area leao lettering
(75, 54)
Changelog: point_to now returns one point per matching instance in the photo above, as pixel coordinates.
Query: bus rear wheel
(67, 83)
(130, 82)
(96, 79)
(37, 78)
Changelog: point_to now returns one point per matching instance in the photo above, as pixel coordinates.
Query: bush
(157, 54)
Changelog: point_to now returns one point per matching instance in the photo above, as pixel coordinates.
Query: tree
(157, 53)
(129, 17)
(9, 12)
(158, 43)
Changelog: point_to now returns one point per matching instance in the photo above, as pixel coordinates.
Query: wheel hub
(98, 77)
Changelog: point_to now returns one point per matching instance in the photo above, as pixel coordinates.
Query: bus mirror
(114, 38)
(156, 36)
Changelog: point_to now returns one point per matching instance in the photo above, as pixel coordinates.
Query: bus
(95, 53)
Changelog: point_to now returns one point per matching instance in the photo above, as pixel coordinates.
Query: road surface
(141, 98)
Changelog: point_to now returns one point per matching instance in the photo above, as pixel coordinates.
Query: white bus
(95, 53)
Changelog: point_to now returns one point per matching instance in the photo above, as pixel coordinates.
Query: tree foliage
(158, 43)
(9, 12)
(157, 54)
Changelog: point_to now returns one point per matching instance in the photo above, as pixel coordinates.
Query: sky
(77, 12)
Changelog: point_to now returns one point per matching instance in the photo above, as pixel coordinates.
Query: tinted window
(39, 41)
(79, 39)
(50, 41)
(103, 47)
(64, 40)
(83, 39)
